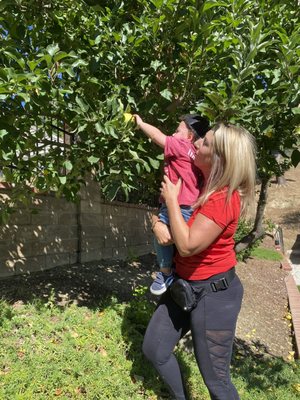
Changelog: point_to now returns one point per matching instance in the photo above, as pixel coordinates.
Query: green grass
(49, 352)
(266, 254)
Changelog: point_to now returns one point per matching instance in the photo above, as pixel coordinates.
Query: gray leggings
(212, 324)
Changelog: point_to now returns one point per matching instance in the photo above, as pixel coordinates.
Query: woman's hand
(168, 190)
(161, 231)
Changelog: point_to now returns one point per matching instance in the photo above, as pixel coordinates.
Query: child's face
(183, 132)
(204, 152)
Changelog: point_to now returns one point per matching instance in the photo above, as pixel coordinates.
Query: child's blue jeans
(165, 254)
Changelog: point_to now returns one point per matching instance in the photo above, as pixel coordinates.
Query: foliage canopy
(78, 66)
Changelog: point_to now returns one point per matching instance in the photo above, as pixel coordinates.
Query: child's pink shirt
(179, 162)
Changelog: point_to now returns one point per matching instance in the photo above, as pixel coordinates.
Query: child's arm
(153, 133)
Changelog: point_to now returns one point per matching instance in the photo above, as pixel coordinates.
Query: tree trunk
(258, 230)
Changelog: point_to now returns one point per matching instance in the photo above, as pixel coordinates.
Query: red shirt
(220, 255)
(179, 162)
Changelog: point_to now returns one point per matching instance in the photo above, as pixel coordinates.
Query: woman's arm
(188, 240)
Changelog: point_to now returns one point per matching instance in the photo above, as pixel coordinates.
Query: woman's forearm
(179, 228)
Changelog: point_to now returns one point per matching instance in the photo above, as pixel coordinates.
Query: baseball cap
(197, 124)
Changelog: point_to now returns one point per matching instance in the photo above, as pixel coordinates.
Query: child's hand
(138, 120)
(161, 231)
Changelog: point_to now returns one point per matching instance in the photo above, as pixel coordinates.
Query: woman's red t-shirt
(220, 255)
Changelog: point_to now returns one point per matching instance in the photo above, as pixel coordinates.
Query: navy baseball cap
(197, 124)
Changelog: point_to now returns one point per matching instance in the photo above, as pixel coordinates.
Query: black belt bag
(187, 293)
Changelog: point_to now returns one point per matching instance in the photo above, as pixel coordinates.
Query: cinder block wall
(112, 230)
(55, 232)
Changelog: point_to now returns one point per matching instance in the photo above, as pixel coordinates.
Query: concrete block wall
(112, 230)
(54, 232)
(38, 238)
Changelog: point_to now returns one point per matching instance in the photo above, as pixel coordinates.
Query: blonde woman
(207, 294)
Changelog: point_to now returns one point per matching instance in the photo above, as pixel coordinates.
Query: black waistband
(216, 282)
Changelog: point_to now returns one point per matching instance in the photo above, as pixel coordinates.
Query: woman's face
(204, 149)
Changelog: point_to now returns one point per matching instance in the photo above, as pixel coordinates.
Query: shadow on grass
(89, 284)
(135, 321)
(254, 366)
(84, 284)
(259, 369)
(99, 285)
(94, 285)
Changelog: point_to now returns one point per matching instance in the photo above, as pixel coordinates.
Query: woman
(205, 259)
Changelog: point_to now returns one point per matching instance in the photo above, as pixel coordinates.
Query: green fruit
(128, 117)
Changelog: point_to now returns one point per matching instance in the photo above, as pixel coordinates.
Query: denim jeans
(165, 254)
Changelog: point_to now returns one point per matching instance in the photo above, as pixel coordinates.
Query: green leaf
(157, 3)
(79, 63)
(84, 107)
(24, 96)
(93, 160)
(256, 32)
(147, 168)
(246, 72)
(166, 94)
(32, 64)
(259, 92)
(61, 55)
(154, 163)
(215, 98)
(295, 157)
(70, 72)
(134, 154)
(62, 179)
(52, 49)
(99, 127)
(3, 132)
(111, 131)
(114, 171)
(210, 4)
(68, 165)
(277, 75)
(155, 64)
(48, 59)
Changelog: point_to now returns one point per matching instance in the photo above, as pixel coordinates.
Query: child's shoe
(161, 283)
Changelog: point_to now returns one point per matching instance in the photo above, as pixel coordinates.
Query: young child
(179, 153)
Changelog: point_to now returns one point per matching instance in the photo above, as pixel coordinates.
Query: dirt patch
(263, 321)
(262, 326)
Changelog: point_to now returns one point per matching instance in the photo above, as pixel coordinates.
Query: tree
(256, 83)
(85, 63)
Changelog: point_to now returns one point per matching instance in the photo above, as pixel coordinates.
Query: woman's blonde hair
(233, 164)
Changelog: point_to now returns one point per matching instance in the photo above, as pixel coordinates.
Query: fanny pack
(188, 293)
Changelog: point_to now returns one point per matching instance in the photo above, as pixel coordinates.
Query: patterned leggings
(212, 324)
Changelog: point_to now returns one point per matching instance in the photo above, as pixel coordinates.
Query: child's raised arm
(151, 131)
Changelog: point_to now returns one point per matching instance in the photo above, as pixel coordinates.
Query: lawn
(72, 352)
(264, 253)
